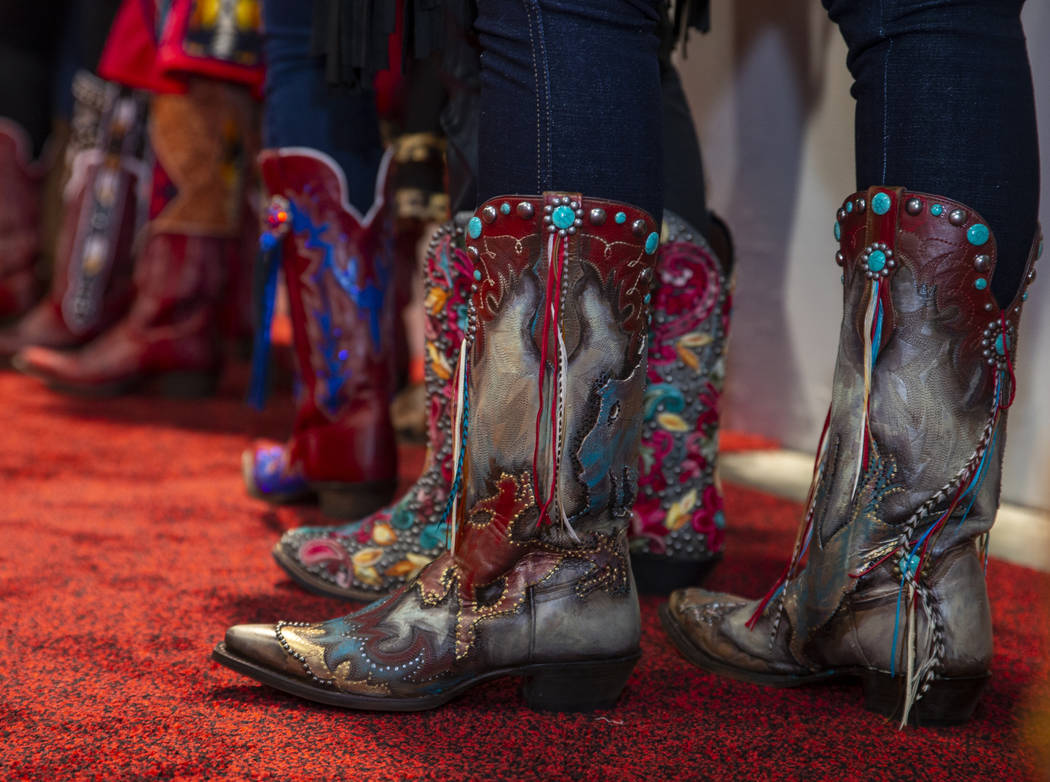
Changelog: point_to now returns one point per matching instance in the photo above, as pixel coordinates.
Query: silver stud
(525, 210)
(488, 214)
(597, 216)
(913, 206)
(982, 263)
(957, 217)
(862, 205)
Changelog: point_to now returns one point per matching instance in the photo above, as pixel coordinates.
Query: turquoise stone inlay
(880, 204)
(505, 208)
(838, 231)
(978, 234)
(474, 227)
(909, 565)
(477, 275)
(620, 218)
(980, 283)
(849, 206)
(563, 217)
(651, 242)
(877, 261)
(936, 210)
(1001, 344)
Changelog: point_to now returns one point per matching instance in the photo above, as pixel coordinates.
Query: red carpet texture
(128, 546)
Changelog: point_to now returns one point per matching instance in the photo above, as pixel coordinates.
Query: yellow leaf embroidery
(367, 557)
(672, 422)
(680, 510)
(383, 534)
(437, 361)
(435, 300)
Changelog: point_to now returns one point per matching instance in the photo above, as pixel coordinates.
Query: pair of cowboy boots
(537, 582)
(143, 308)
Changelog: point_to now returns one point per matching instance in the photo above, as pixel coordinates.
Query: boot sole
(318, 586)
(580, 686)
(949, 701)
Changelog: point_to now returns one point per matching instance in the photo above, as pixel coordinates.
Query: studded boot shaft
(374, 556)
(338, 267)
(537, 582)
(104, 206)
(678, 523)
(886, 581)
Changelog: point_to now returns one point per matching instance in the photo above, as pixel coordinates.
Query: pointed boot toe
(259, 647)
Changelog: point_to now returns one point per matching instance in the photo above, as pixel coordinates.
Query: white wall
(770, 94)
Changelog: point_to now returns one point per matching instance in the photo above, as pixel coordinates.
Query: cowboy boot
(678, 523)
(104, 207)
(374, 556)
(20, 182)
(169, 341)
(337, 267)
(906, 479)
(537, 582)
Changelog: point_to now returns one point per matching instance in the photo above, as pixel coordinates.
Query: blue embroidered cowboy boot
(678, 525)
(537, 580)
(337, 266)
(886, 582)
(374, 556)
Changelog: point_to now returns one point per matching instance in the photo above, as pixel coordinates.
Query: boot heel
(946, 702)
(187, 385)
(353, 500)
(582, 686)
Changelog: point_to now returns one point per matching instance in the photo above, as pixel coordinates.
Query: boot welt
(946, 701)
(578, 686)
(319, 586)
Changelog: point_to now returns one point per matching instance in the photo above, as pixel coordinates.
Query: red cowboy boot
(169, 340)
(886, 583)
(338, 268)
(104, 207)
(20, 180)
(549, 394)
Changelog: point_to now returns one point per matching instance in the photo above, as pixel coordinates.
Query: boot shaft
(104, 206)
(909, 466)
(555, 378)
(338, 267)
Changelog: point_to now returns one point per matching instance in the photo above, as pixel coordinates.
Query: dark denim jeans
(570, 99)
(945, 105)
(301, 110)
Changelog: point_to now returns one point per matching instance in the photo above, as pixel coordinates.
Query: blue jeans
(301, 110)
(570, 99)
(945, 105)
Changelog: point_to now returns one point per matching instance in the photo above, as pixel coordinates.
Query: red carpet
(129, 546)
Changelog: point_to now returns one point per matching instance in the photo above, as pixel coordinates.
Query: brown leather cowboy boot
(906, 479)
(20, 180)
(104, 206)
(537, 582)
(169, 339)
(338, 268)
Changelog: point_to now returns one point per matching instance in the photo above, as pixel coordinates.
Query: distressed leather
(933, 423)
(517, 588)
